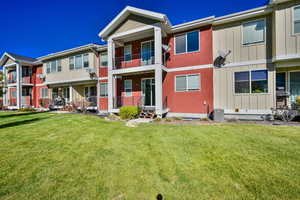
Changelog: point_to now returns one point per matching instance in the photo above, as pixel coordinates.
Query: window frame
(130, 80)
(254, 43)
(186, 42)
(41, 93)
(101, 54)
(187, 82)
(72, 58)
(128, 45)
(250, 82)
(106, 92)
(57, 63)
(294, 21)
(83, 61)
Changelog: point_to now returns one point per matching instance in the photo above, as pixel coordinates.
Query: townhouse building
(171, 69)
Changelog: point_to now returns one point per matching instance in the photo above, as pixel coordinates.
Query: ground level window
(128, 87)
(251, 82)
(189, 82)
(103, 90)
(281, 81)
(44, 92)
(90, 91)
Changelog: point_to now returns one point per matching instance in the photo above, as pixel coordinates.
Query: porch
(78, 97)
(288, 88)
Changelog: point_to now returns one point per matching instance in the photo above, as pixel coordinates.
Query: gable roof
(132, 10)
(16, 58)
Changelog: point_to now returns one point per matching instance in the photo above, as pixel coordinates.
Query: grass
(66, 156)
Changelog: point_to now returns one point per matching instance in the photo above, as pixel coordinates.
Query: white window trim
(254, 43)
(41, 93)
(293, 20)
(106, 83)
(250, 83)
(187, 83)
(88, 60)
(129, 45)
(82, 62)
(100, 65)
(185, 33)
(128, 88)
(56, 71)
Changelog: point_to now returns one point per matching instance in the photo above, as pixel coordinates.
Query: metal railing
(27, 79)
(134, 60)
(120, 101)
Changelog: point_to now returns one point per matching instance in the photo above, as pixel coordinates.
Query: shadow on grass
(18, 114)
(23, 122)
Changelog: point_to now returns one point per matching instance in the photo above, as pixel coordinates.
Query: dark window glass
(241, 82)
(259, 81)
(193, 41)
(180, 44)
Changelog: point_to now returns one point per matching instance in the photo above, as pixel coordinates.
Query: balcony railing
(120, 101)
(11, 81)
(27, 79)
(134, 60)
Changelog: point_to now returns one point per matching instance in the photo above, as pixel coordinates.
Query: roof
(17, 58)
(132, 10)
(91, 46)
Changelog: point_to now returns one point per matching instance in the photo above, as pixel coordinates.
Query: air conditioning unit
(89, 70)
(42, 76)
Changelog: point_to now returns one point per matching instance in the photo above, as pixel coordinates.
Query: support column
(110, 84)
(158, 71)
(98, 95)
(71, 93)
(19, 85)
(4, 75)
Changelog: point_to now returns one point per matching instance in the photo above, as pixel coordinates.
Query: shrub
(129, 112)
(28, 109)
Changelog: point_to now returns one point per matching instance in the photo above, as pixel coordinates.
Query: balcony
(27, 80)
(134, 60)
(11, 81)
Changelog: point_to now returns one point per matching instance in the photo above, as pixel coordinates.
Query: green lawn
(64, 156)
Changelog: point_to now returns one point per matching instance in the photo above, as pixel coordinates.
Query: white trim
(286, 57)
(293, 20)
(125, 13)
(178, 69)
(257, 42)
(10, 65)
(67, 81)
(192, 24)
(102, 78)
(129, 32)
(134, 69)
(242, 15)
(247, 112)
(187, 115)
(187, 83)
(142, 92)
(186, 42)
(40, 84)
(245, 63)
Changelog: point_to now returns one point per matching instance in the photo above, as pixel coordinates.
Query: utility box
(219, 115)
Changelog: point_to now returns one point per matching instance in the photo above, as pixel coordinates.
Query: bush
(29, 109)
(129, 112)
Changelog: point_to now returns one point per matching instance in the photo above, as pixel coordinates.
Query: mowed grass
(72, 156)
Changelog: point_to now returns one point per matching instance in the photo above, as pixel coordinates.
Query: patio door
(147, 53)
(294, 85)
(148, 91)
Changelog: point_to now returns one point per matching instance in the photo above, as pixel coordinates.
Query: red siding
(189, 101)
(202, 57)
(103, 101)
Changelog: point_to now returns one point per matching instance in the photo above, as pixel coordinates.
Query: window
(103, 90)
(48, 68)
(78, 62)
(26, 71)
(189, 82)
(71, 63)
(86, 60)
(54, 93)
(26, 91)
(296, 20)
(128, 87)
(53, 66)
(258, 83)
(66, 93)
(254, 32)
(188, 42)
(90, 91)
(280, 81)
(14, 93)
(241, 82)
(127, 53)
(103, 59)
(44, 92)
(59, 65)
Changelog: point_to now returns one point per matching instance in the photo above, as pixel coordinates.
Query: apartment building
(149, 62)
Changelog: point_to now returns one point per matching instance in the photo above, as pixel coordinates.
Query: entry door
(294, 85)
(147, 53)
(148, 91)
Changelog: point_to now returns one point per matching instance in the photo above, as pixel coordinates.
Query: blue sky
(38, 27)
